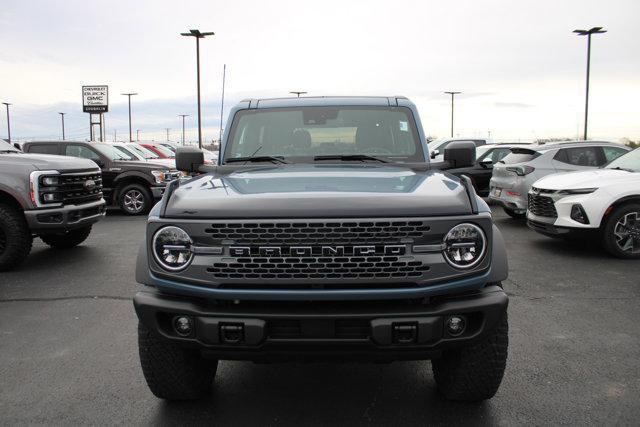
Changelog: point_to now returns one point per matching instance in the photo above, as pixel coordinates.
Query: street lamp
(167, 129)
(452, 95)
(594, 30)
(8, 123)
(295, 92)
(198, 35)
(62, 116)
(183, 116)
(129, 95)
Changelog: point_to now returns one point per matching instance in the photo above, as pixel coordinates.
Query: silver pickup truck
(56, 198)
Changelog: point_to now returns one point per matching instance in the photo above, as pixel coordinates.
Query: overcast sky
(520, 68)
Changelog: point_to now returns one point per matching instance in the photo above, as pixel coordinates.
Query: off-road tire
(474, 373)
(171, 372)
(607, 237)
(131, 190)
(15, 237)
(513, 214)
(68, 239)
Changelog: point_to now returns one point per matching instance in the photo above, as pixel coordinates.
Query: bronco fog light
(464, 245)
(172, 248)
(183, 325)
(456, 325)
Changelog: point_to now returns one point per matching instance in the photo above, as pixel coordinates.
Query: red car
(161, 151)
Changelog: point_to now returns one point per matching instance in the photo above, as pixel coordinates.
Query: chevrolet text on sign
(95, 99)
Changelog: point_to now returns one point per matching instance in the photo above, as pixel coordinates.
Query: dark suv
(324, 233)
(130, 184)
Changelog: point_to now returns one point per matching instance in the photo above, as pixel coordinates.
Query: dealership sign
(95, 99)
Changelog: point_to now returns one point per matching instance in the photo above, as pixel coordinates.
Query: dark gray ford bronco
(53, 197)
(323, 233)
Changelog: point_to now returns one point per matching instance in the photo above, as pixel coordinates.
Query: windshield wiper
(347, 157)
(9, 151)
(272, 159)
(618, 168)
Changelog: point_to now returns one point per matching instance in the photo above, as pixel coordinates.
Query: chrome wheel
(627, 233)
(133, 201)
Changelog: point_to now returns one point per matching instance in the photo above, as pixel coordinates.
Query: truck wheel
(513, 214)
(67, 239)
(15, 237)
(621, 232)
(171, 372)
(474, 373)
(134, 199)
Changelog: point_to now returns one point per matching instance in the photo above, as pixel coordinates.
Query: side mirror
(435, 153)
(16, 145)
(460, 154)
(189, 159)
(486, 163)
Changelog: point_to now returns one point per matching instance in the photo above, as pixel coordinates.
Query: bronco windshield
(302, 134)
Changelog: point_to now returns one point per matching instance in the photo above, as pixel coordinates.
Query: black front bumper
(380, 331)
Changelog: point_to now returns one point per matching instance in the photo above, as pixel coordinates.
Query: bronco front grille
(326, 233)
(361, 267)
(542, 206)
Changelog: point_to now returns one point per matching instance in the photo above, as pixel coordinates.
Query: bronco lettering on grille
(327, 251)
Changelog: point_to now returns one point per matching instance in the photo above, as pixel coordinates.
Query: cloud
(512, 105)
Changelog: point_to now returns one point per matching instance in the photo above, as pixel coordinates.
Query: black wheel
(171, 372)
(135, 199)
(67, 239)
(15, 237)
(474, 373)
(621, 232)
(513, 214)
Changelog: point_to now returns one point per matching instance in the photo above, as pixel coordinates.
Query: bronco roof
(326, 101)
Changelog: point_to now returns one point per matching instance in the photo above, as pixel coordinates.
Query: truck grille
(74, 189)
(542, 206)
(326, 233)
(367, 267)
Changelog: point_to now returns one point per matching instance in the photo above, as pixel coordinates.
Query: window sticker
(404, 126)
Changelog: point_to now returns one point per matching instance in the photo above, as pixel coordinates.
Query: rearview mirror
(460, 154)
(189, 159)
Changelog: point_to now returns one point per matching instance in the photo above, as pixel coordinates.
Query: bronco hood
(319, 191)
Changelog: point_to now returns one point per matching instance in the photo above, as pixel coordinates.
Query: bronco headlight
(464, 245)
(172, 248)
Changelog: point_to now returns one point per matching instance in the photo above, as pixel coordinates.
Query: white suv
(605, 200)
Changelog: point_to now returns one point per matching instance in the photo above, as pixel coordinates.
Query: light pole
(183, 116)
(167, 129)
(137, 135)
(296, 92)
(452, 95)
(594, 30)
(198, 35)
(129, 95)
(62, 117)
(8, 123)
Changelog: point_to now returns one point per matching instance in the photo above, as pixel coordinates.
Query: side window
(80, 151)
(561, 156)
(612, 153)
(479, 142)
(499, 154)
(583, 156)
(44, 148)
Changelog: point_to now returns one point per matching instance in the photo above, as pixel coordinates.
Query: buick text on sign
(95, 99)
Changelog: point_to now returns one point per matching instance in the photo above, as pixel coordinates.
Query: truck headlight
(465, 245)
(161, 176)
(172, 248)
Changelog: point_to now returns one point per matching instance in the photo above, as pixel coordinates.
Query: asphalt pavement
(68, 351)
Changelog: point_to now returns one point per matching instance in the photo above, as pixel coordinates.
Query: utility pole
(224, 75)
(167, 129)
(183, 116)
(594, 30)
(129, 95)
(452, 95)
(198, 35)
(115, 135)
(295, 92)
(137, 135)
(62, 116)
(8, 123)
